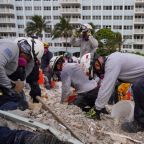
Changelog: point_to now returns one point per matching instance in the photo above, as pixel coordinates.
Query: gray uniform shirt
(9, 54)
(124, 66)
(85, 46)
(73, 75)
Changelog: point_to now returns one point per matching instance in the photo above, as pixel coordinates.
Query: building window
(128, 17)
(20, 26)
(107, 7)
(55, 8)
(127, 37)
(56, 17)
(117, 17)
(117, 27)
(28, 17)
(18, 0)
(47, 17)
(86, 17)
(19, 8)
(129, 7)
(97, 17)
(47, 8)
(98, 27)
(106, 26)
(21, 35)
(96, 7)
(118, 7)
(28, 8)
(86, 7)
(128, 27)
(127, 46)
(19, 17)
(27, 0)
(37, 8)
(107, 17)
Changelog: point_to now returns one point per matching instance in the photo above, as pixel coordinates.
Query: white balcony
(69, 1)
(139, 10)
(75, 20)
(6, 2)
(139, 20)
(3, 11)
(139, 41)
(7, 29)
(139, 1)
(139, 31)
(7, 20)
(70, 11)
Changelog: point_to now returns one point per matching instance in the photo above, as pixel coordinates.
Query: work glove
(19, 85)
(95, 114)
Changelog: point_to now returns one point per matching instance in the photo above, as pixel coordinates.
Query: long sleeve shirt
(124, 66)
(73, 75)
(85, 46)
(9, 54)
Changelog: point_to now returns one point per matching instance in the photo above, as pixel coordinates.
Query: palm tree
(37, 26)
(62, 29)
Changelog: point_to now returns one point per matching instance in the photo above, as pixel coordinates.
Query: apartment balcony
(75, 20)
(7, 29)
(139, 31)
(70, 11)
(139, 41)
(139, 21)
(139, 1)
(7, 2)
(139, 10)
(6, 11)
(7, 20)
(69, 2)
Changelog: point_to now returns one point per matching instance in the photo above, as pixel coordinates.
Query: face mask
(22, 62)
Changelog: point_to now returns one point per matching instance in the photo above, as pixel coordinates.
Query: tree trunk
(66, 45)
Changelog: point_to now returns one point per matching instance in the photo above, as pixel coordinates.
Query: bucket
(124, 109)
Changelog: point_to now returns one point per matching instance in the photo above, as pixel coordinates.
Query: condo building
(124, 16)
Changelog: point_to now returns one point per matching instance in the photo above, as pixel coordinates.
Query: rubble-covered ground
(106, 131)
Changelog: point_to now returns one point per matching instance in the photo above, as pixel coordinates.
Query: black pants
(86, 99)
(138, 94)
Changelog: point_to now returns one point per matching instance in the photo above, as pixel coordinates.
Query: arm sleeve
(107, 86)
(5, 57)
(94, 43)
(66, 84)
(75, 41)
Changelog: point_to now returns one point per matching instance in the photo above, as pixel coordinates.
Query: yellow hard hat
(45, 44)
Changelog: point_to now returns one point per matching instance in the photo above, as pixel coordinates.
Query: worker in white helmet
(86, 42)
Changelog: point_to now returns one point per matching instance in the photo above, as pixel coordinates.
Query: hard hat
(54, 60)
(86, 27)
(45, 44)
(26, 45)
(85, 62)
(67, 54)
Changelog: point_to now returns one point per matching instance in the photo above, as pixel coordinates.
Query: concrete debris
(88, 130)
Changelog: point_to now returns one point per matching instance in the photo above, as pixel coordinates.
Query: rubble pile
(89, 131)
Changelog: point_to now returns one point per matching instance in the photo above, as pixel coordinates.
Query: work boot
(43, 139)
(132, 127)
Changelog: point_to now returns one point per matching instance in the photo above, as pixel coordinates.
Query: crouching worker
(72, 75)
(124, 67)
(14, 56)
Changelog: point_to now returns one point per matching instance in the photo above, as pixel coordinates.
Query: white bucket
(123, 110)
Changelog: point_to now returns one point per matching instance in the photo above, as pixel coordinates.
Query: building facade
(124, 16)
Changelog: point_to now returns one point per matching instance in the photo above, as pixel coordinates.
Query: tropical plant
(37, 26)
(62, 29)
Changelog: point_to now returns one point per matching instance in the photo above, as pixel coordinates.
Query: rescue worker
(71, 75)
(124, 67)
(68, 57)
(45, 64)
(85, 40)
(12, 55)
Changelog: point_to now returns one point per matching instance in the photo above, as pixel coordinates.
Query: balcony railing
(6, 11)
(70, 10)
(7, 20)
(139, 1)
(6, 2)
(7, 29)
(69, 1)
(75, 20)
(139, 20)
(139, 31)
(139, 41)
(139, 10)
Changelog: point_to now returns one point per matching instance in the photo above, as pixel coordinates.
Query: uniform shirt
(9, 54)
(85, 46)
(124, 66)
(72, 75)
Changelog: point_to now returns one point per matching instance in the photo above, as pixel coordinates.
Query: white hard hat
(54, 60)
(86, 27)
(26, 45)
(85, 62)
